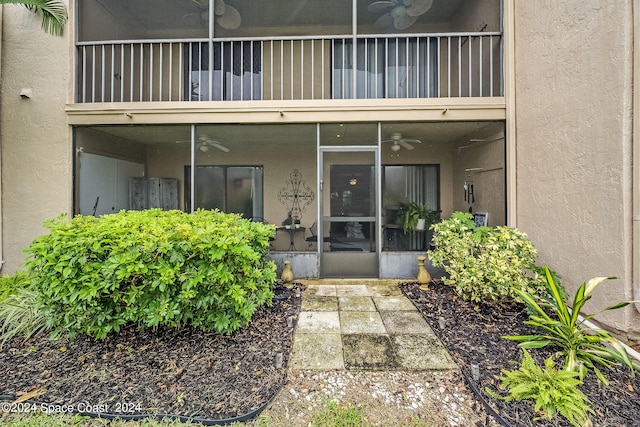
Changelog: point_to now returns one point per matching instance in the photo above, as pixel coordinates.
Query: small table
(292, 234)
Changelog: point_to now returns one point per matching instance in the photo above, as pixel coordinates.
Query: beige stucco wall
(573, 111)
(36, 154)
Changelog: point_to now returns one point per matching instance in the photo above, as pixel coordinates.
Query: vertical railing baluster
(490, 65)
(131, 75)
(459, 66)
(84, 74)
(151, 71)
(170, 85)
(160, 61)
(93, 72)
(418, 67)
(469, 65)
(439, 53)
(113, 71)
(122, 72)
(449, 66)
(480, 82)
(313, 69)
(282, 69)
(141, 72)
(291, 73)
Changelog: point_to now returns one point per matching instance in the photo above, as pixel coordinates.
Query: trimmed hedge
(151, 268)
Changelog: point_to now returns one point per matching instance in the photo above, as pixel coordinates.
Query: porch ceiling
(159, 13)
(455, 133)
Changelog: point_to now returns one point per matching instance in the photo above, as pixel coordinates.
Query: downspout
(635, 263)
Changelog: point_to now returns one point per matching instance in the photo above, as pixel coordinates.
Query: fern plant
(552, 391)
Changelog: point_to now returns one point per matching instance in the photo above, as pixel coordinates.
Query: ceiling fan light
(205, 16)
(395, 146)
(204, 148)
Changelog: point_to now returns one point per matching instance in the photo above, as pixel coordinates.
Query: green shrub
(153, 268)
(20, 315)
(484, 263)
(550, 389)
(582, 348)
(11, 284)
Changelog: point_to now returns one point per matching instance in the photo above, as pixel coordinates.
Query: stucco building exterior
(336, 112)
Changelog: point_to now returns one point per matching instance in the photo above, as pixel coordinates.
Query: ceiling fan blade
(380, 6)
(192, 4)
(192, 19)
(405, 144)
(388, 140)
(230, 19)
(219, 7)
(419, 7)
(384, 21)
(412, 141)
(219, 146)
(404, 21)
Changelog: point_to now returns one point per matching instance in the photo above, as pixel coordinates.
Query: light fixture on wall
(26, 93)
(353, 181)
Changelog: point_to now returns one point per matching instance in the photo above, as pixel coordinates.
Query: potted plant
(288, 222)
(416, 217)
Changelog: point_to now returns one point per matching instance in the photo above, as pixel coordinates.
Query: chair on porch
(313, 239)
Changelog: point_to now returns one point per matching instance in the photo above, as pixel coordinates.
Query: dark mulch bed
(473, 333)
(170, 371)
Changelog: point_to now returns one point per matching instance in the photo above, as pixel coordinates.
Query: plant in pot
(288, 222)
(416, 217)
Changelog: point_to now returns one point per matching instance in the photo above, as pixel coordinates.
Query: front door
(349, 212)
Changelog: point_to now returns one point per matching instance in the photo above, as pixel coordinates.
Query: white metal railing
(397, 66)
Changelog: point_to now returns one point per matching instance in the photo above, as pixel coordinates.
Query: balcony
(222, 61)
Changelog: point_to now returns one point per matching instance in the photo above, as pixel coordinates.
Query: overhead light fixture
(395, 147)
(204, 148)
(353, 181)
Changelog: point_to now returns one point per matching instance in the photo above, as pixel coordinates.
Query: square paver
(319, 303)
(396, 303)
(352, 290)
(405, 322)
(361, 322)
(421, 352)
(384, 290)
(356, 304)
(369, 352)
(320, 290)
(317, 351)
(325, 322)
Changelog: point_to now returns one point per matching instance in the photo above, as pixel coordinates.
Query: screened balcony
(190, 50)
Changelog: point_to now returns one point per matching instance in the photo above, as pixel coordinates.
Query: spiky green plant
(582, 348)
(551, 390)
(20, 316)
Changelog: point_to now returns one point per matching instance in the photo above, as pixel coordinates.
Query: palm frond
(54, 13)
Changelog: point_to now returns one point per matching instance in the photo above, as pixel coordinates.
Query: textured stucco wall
(573, 116)
(36, 153)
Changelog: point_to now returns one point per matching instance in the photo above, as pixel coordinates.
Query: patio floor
(369, 326)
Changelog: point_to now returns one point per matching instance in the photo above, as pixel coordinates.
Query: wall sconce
(353, 181)
(26, 93)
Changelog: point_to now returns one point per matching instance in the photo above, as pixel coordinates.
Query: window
(236, 71)
(405, 184)
(401, 67)
(232, 189)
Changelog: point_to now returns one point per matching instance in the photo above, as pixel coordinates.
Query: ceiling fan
(226, 16)
(398, 141)
(205, 143)
(399, 13)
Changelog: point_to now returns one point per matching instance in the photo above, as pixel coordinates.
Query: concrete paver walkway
(364, 327)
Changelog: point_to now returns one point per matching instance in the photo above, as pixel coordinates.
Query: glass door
(349, 211)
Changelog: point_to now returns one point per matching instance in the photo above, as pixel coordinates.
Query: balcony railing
(402, 66)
